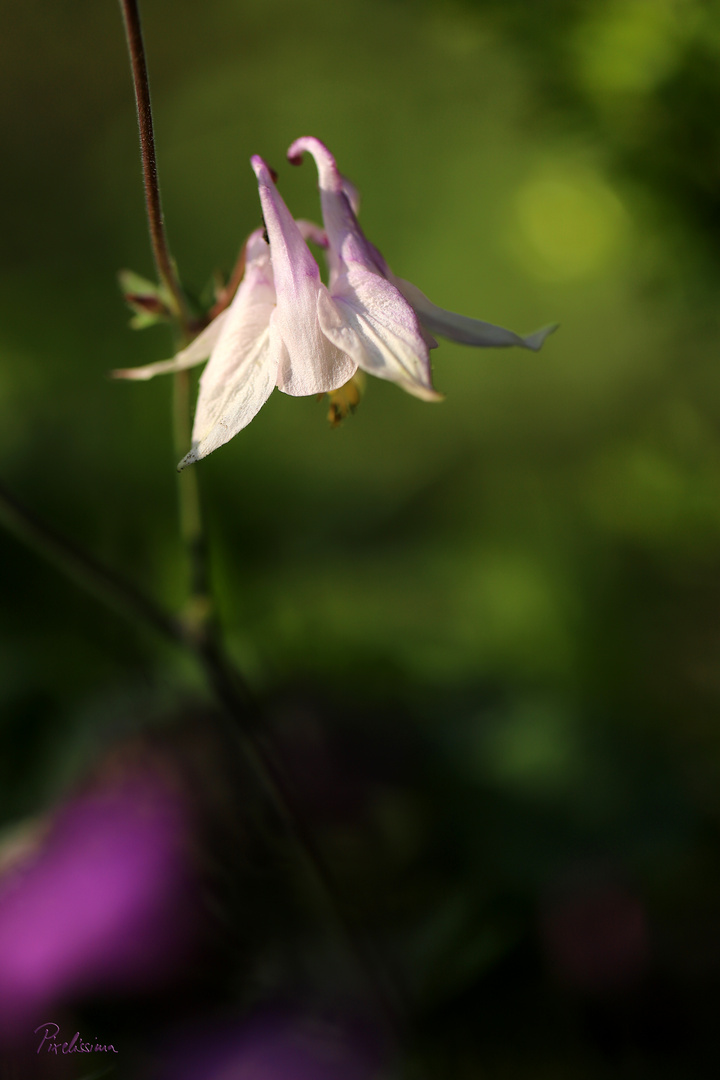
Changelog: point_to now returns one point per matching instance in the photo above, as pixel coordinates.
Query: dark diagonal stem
(86, 571)
(233, 695)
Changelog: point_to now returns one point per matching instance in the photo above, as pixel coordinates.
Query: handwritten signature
(76, 1045)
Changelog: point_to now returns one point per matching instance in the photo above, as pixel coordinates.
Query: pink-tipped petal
(328, 172)
(371, 322)
(242, 370)
(309, 363)
(366, 317)
(195, 353)
(347, 242)
(465, 330)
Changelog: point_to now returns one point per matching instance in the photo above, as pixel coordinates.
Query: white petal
(310, 364)
(365, 316)
(369, 319)
(243, 367)
(220, 420)
(197, 351)
(248, 319)
(463, 329)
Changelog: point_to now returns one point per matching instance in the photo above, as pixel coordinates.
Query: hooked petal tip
(327, 168)
(305, 143)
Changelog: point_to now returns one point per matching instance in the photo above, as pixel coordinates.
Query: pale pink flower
(285, 328)
(269, 336)
(383, 322)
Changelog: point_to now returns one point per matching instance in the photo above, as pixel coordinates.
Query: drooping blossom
(371, 308)
(286, 328)
(269, 336)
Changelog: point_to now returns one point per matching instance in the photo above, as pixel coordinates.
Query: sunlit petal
(370, 321)
(242, 371)
(310, 363)
(465, 330)
(196, 352)
(366, 316)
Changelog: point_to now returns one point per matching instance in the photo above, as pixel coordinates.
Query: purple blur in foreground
(276, 1048)
(106, 902)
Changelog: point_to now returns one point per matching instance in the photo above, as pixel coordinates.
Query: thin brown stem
(161, 251)
(191, 526)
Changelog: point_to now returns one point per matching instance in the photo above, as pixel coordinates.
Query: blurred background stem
(86, 571)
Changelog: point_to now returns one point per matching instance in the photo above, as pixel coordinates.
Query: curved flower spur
(285, 328)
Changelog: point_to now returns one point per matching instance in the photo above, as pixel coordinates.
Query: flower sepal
(149, 302)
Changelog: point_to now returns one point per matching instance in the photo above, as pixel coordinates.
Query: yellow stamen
(346, 398)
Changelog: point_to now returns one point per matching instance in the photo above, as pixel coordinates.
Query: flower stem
(191, 525)
(163, 259)
(192, 529)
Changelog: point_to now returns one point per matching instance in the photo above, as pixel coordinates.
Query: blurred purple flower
(107, 901)
(276, 1048)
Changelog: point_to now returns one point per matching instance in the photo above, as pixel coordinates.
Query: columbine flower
(285, 328)
(270, 335)
(383, 322)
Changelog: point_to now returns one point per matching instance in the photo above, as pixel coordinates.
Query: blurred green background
(524, 578)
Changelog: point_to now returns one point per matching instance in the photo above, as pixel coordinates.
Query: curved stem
(86, 571)
(199, 637)
(163, 259)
